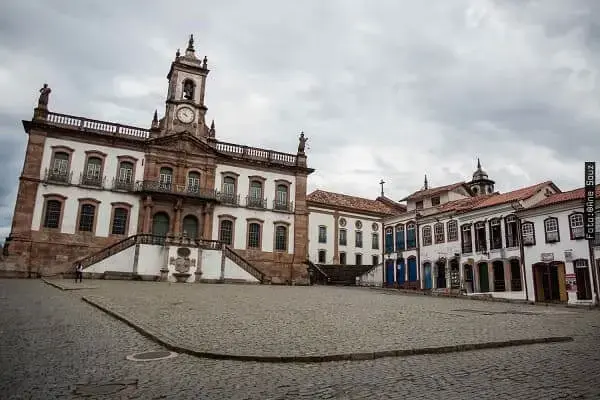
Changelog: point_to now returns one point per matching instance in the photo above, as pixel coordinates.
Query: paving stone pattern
(299, 321)
(52, 345)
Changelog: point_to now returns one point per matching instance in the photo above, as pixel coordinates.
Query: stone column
(147, 224)
(207, 225)
(336, 238)
(177, 222)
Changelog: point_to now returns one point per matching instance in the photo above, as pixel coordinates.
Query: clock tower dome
(185, 109)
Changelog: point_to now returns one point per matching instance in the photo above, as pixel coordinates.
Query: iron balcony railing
(58, 176)
(287, 206)
(467, 248)
(256, 202)
(171, 188)
(91, 180)
(231, 199)
(123, 184)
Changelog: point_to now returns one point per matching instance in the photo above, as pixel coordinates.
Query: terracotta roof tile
(576, 194)
(433, 191)
(515, 195)
(357, 203)
(465, 204)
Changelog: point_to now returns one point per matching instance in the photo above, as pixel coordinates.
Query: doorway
(400, 271)
(584, 284)
(468, 271)
(454, 274)
(190, 227)
(549, 282)
(412, 269)
(499, 282)
(427, 281)
(440, 281)
(160, 224)
(389, 272)
(484, 279)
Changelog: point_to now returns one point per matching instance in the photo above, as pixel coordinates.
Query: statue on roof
(302, 143)
(44, 96)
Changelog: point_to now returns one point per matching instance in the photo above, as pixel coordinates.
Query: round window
(342, 221)
(375, 226)
(358, 225)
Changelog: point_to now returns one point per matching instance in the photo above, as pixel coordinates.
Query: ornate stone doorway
(160, 224)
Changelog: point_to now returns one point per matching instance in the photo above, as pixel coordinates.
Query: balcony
(256, 202)
(171, 188)
(285, 206)
(91, 180)
(58, 176)
(229, 198)
(123, 184)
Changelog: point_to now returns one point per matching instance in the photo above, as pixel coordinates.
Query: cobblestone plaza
(54, 345)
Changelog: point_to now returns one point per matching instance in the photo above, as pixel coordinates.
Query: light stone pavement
(50, 340)
(271, 321)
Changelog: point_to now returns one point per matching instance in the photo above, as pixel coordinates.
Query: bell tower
(185, 109)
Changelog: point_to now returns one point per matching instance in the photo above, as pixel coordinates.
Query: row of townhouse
(526, 244)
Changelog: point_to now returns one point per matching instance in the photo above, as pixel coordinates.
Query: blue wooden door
(400, 271)
(427, 276)
(389, 272)
(412, 269)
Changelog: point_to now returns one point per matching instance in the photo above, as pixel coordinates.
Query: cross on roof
(382, 183)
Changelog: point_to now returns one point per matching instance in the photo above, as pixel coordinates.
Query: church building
(88, 185)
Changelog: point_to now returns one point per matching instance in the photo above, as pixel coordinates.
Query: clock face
(185, 115)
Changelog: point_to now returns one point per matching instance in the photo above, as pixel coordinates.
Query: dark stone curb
(484, 298)
(169, 344)
(63, 287)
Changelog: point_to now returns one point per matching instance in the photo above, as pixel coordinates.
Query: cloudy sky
(383, 89)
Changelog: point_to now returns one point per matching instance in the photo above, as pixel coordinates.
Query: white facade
(572, 256)
(78, 157)
(326, 237)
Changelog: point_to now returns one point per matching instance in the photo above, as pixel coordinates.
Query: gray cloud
(388, 90)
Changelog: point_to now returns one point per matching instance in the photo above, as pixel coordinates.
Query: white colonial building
(347, 230)
(560, 264)
(91, 189)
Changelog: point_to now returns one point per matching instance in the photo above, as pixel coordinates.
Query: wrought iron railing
(164, 187)
(467, 248)
(287, 206)
(243, 263)
(229, 198)
(256, 202)
(58, 176)
(121, 184)
(91, 180)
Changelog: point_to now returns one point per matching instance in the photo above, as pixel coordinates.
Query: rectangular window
(512, 234)
(322, 256)
(322, 234)
(389, 240)
(226, 232)
(467, 239)
(52, 216)
(495, 235)
(358, 239)
(281, 238)
(119, 224)
(375, 241)
(452, 231)
(400, 240)
(343, 239)
(411, 236)
(435, 201)
(358, 259)
(438, 232)
(480, 242)
(254, 235)
(86, 218)
(375, 260)
(419, 205)
(342, 258)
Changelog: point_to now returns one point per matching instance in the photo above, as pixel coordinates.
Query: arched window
(551, 230)
(528, 233)
(281, 238)
(411, 237)
(188, 89)
(93, 170)
(400, 240)
(389, 240)
(576, 226)
(160, 224)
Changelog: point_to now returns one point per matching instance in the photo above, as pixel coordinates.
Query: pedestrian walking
(79, 272)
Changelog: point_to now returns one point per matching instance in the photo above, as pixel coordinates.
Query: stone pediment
(182, 141)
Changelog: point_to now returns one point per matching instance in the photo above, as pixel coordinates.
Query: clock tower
(185, 109)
